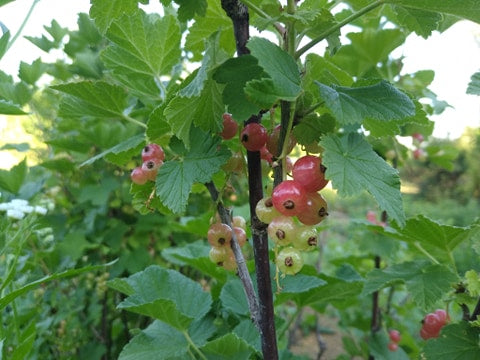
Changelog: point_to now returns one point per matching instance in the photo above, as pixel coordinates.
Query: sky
(454, 56)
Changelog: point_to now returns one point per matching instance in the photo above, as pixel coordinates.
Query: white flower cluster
(17, 208)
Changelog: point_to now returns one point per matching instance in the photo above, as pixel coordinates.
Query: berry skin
(306, 238)
(310, 173)
(289, 197)
(230, 127)
(265, 210)
(272, 142)
(153, 152)
(282, 230)
(289, 261)
(266, 155)
(229, 263)
(239, 221)
(219, 234)
(394, 336)
(253, 136)
(316, 210)
(218, 254)
(432, 323)
(241, 235)
(139, 176)
(392, 346)
(150, 167)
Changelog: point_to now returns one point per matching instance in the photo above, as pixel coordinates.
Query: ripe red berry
(432, 323)
(289, 261)
(394, 335)
(272, 142)
(266, 155)
(289, 197)
(392, 346)
(150, 168)
(139, 176)
(253, 136)
(153, 152)
(418, 137)
(219, 234)
(310, 173)
(230, 127)
(315, 211)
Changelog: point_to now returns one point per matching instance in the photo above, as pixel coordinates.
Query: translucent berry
(218, 254)
(139, 176)
(253, 136)
(306, 238)
(289, 197)
(239, 221)
(230, 127)
(392, 346)
(266, 155)
(150, 167)
(153, 152)
(289, 261)
(310, 173)
(241, 235)
(315, 211)
(265, 210)
(282, 230)
(229, 263)
(272, 142)
(432, 323)
(394, 336)
(219, 234)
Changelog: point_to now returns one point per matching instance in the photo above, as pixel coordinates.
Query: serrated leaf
(157, 126)
(427, 283)
(353, 167)
(474, 84)
(420, 21)
(166, 295)
(456, 342)
(12, 180)
(227, 347)
(189, 8)
(42, 42)
(467, 9)
(284, 76)
(144, 48)
(235, 73)
(247, 331)
(8, 108)
(87, 98)
(175, 178)
(30, 73)
(158, 340)
(121, 152)
(144, 201)
(381, 101)
(4, 42)
(312, 127)
(300, 283)
(104, 12)
(233, 297)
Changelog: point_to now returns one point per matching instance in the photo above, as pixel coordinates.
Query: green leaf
(312, 127)
(31, 73)
(144, 48)
(247, 331)
(381, 101)
(353, 166)
(104, 12)
(189, 8)
(157, 126)
(427, 283)
(227, 347)
(8, 108)
(12, 180)
(42, 43)
(165, 295)
(233, 297)
(8, 298)
(158, 341)
(97, 99)
(474, 84)
(284, 76)
(421, 21)
(318, 68)
(175, 178)
(300, 283)
(456, 342)
(4, 43)
(378, 346)
(120, 153)
(467, 9)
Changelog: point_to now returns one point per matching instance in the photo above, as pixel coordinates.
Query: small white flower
(15, 214)
(19, 202)
(40, 210)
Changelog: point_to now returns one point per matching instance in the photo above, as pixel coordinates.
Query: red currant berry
(139, 176)
(372, 217)
(316, 210)
(418, 137)
(253, 136)
(272, 142)
(241, 235)
(394, 335)
(306, 239)
(289, 197)
(432, 324)
(230, 127)
(265, 210)
(310, 173)
(219, 234)
(289, 261)
(392, 346)
(153, 152)
(282, 230)
(419, 154)
(150, 167)
(266, 155)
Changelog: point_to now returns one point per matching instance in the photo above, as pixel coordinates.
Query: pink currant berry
(315, 211)
(139, 176)
(282, 230)
(392, 346)
(310, 173)
(372, 217)
(306, 238)
(253, 136)
(272, 142)
(219, 234)
(153, 152)
(241, 235)
(218, 254)
(239, 221)
(266, 155)
(289, 197)
(265, 210)
(289, 261)
(230, 127)
(150, 167)
(229, 263)
(394, 335)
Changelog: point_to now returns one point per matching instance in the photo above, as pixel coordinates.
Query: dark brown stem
(376, 315)
(225, 216)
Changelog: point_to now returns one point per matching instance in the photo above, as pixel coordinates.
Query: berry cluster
(395, 338)
(152, 157)
(432, 324)
(220, 236)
